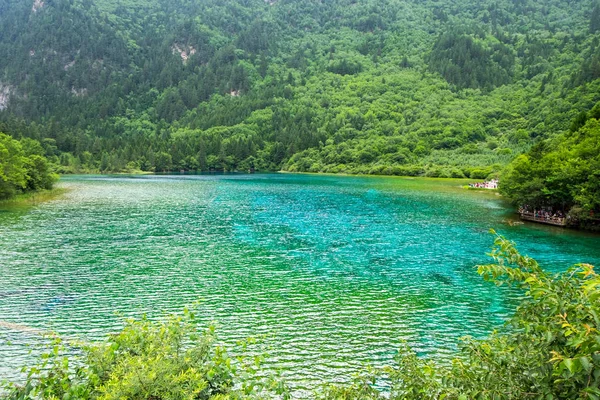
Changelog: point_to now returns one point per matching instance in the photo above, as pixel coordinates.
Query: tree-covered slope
(562, 173)
(443, 88)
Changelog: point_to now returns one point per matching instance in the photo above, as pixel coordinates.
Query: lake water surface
(335, 270)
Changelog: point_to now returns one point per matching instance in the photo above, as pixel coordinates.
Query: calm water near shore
(335, 270)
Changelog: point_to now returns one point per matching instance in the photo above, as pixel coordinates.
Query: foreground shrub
(147, 360)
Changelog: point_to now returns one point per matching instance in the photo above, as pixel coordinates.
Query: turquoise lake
(334, 270)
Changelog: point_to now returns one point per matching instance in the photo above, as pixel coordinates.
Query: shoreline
(243, 172)
(460, 182)
(34, 198)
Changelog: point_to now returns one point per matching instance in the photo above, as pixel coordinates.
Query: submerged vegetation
(548, 350)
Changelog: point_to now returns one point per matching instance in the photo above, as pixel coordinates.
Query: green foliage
(595, 19)
(23, 167)
(467, 62)
(171, 360)
(562, 173)
(12, 168)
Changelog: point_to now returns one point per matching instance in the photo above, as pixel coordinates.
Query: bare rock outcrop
(184, 51)
(37, 5)
(5, 93)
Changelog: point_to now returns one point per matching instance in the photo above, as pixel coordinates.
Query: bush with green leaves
(171, 359)
(23, 167)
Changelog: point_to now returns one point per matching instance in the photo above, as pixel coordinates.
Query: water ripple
(335, 271)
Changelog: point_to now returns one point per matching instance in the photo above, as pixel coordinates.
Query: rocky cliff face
(5, 93)
(37, 5)
(184, 51)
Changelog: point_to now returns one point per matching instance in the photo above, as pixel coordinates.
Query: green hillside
(436, 88)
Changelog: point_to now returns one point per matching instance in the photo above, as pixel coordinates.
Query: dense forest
(436, 88)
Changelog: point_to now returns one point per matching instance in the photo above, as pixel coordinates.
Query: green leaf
(569, 364)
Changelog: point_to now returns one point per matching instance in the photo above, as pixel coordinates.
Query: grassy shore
(33, 198)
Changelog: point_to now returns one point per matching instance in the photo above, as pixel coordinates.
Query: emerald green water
(335, 270)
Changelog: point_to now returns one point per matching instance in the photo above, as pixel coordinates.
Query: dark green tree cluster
(562, 173)
(472, 62)
(549, 349)
(595, 19)
(23, 167)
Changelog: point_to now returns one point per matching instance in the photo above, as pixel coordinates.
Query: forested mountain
(442, 88)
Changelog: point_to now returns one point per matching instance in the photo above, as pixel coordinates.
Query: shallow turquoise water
(335, 270)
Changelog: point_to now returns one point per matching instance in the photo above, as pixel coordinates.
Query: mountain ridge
(390, 87)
